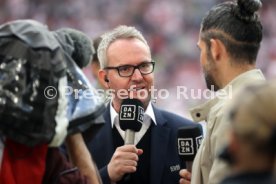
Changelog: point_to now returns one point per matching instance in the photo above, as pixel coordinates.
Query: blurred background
(170, 26)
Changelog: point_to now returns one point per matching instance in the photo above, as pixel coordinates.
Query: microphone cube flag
(141, 113)
(188, 140)
(131, 115)
(128, 112)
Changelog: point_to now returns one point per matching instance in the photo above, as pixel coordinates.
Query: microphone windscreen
(82, 44)
(131, 115)
(188, 140)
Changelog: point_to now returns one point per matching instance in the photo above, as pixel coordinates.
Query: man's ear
(218, 50)
(102, 75)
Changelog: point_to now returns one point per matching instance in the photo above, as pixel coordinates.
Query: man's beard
(210, 82)
(209, 72)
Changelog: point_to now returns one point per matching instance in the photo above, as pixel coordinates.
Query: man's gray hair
(113, 35)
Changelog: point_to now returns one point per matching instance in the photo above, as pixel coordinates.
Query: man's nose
(136, 75)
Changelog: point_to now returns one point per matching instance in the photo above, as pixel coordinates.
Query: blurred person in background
(229, 42)
(126, 64)
(251, 150)
(94, 67)
(80, 48)
(95, 64)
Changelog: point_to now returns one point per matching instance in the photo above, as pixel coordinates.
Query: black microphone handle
(189, 165)
(129, 137)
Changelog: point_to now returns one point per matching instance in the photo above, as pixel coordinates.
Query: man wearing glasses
(126, 64)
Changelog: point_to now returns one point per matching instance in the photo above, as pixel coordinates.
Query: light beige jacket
(207, 168)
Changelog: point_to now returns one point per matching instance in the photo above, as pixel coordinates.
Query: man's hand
(124, 160)
(185, 176)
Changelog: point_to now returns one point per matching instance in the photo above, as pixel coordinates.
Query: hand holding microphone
(188, 140)
(125, 158)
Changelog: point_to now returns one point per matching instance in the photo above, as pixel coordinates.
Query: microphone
(131, 117)
(78, 44)
(188, 140)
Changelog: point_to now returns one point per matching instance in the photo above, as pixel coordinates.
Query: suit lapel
(159, 144)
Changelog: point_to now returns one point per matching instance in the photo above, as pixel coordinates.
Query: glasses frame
(134, 68)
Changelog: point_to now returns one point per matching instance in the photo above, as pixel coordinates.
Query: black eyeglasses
(128, 70)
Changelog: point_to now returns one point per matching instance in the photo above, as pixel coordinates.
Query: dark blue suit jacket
(164, 160)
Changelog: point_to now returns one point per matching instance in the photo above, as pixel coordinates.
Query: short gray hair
(119, 32)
